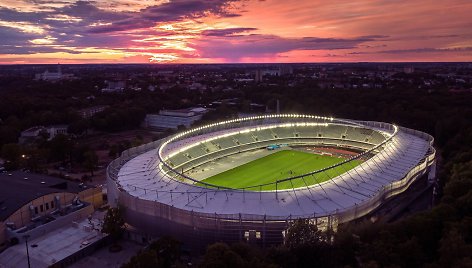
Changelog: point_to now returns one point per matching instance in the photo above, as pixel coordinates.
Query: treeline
(24, 104)
(62, 150)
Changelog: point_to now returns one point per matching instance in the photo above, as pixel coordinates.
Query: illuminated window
(252, 235)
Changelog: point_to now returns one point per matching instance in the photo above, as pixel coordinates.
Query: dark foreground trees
(162, 253)
(113, 224)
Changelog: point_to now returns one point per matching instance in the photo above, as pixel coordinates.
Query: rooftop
(93, 108)
(140, 178)
(33, 129)
(183, 112)
(18, 188)
(55, 246)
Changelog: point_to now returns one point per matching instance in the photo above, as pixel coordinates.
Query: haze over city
(231, 31)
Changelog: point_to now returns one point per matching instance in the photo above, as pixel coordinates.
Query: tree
(309, 245)
(453, 248)
(302, 233)
(8, 134)
(113, 223)
(147, 258)
(79, 127)
(91, 161)
(61, 148)
(163, 253)
(11, 152)
(220, 255)
(167, 249)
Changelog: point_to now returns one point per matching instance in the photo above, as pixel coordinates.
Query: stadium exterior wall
(153, 218)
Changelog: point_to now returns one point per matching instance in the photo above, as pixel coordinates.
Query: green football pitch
(277, 166)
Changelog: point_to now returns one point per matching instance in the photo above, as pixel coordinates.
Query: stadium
(247, 179)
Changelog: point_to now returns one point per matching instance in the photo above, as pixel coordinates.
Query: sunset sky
(226, 31)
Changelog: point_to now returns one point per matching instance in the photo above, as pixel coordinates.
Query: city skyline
(231, 31)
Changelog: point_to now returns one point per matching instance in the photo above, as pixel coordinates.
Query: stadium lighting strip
(183, 149)
(241, 120)
(161, 148)
(162, 163)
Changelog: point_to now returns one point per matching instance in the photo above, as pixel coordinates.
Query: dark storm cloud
(89, 24)
(34, 49)
(14, 42)
(227, 32)
(12, 37)
(176, 9)
(255, 45)
(117, 21)
(170, 11)
(87, 11)
(7, 14)
(335, 43)
(415, 50)
(426, 50)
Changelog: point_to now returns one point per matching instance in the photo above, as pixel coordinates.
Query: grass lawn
(280, 165)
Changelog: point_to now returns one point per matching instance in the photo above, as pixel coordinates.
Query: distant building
(91, 111)
(244, 80)
(165, 87)
(56, 130)
(52, 76)
(271, 72)
(285, 69)
(259, 76)
(114, 86)
(197, 86)
(261, 73)
(165, 73)
(409, 70)
(243, 114)
(31, 134)
(171, 119)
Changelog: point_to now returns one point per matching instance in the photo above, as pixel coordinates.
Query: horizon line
(237, 63)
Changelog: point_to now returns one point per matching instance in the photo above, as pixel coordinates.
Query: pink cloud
(237, 31)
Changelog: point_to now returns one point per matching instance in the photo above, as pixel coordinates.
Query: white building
(31, 134)
(52, 76)
(91, 111)
(171, 119)
(56, 130)
(409, 70)
(114, 86)
(197, 86)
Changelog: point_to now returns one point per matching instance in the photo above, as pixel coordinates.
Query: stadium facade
(154, 182)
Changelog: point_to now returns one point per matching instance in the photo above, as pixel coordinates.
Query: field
(277, 166)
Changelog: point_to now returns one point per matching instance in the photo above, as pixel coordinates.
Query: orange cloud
(234, 31)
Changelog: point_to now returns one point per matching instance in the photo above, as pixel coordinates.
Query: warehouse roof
(18, 188)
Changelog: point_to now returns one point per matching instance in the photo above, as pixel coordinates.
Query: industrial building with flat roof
(172, 119)
(34, 204)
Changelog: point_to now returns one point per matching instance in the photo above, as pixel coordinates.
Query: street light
(27, 250)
